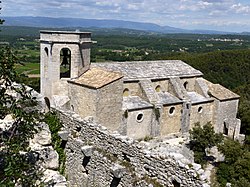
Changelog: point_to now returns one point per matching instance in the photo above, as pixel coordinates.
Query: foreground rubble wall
(97, 157)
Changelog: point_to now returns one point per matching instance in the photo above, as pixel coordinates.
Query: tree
(236, 166)
(17, 165)
(17, 161)
(202, 138)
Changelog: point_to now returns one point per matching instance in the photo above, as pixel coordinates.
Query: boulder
(64, 135)
(43, 137)
(6, 123)
(54, 178)
(49, 158)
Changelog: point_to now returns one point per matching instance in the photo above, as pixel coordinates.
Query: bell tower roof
(65, 36)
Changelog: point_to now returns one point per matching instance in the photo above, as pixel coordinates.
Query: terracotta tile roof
(150, 69)
(97, 78)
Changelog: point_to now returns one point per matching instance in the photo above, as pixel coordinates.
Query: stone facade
(138, 99)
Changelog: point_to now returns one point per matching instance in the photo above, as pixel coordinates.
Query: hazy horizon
(221, 15)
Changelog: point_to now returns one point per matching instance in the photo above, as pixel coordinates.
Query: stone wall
(225, 111)
(103, 104)
(134, 88)
(202, 113)
(109, 105)
(97, 157)
(162, 83)
(189, 83)
(139, 128)
(83, 100)
(171, 119)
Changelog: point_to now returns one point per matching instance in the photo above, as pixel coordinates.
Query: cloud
(178, 13)
(239, 8)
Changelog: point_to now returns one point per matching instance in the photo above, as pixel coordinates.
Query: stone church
(137, 99)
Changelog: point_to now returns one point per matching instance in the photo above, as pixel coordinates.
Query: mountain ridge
(51, 22)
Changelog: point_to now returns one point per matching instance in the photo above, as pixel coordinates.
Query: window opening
(65, 57)
(225, 129)
(139, 117)
(126, 92)
(185, 84)
(72, 108)
(200, 109)
(171, 110)
(46, 50)
(158, 88)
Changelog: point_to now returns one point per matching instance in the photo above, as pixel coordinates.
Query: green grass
(28, 68)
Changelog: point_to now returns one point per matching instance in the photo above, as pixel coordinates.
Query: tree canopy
(203, 137)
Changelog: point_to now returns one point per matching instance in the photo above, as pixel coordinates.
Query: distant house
(139, 98)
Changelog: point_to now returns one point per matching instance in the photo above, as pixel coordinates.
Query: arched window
(46, 50)
(65, 58)
(46, 62)
(185, 84)
(126, 92)
(225, 129)
(158, 88)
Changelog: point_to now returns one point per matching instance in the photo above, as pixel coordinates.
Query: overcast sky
(224, 15)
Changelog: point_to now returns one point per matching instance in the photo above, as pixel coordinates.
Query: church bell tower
(63, 55)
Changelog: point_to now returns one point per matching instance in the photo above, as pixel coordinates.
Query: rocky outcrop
(48, 157)
(42, 153)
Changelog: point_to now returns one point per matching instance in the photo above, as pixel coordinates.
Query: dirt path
(33, 75)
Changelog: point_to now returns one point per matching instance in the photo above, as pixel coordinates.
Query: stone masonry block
(87, 150)
(64, 135)
(118, 171)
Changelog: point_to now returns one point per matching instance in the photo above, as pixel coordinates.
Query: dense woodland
(224, 59)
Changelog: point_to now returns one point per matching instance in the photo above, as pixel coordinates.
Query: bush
(236, 166)
(202, 138)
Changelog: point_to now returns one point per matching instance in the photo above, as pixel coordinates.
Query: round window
(200, 109)
(139, 117)
(171, 110)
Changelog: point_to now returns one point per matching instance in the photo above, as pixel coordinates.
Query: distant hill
(21, 31)
(90, 23)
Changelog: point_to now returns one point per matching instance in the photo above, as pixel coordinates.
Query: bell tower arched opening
(65, 59)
